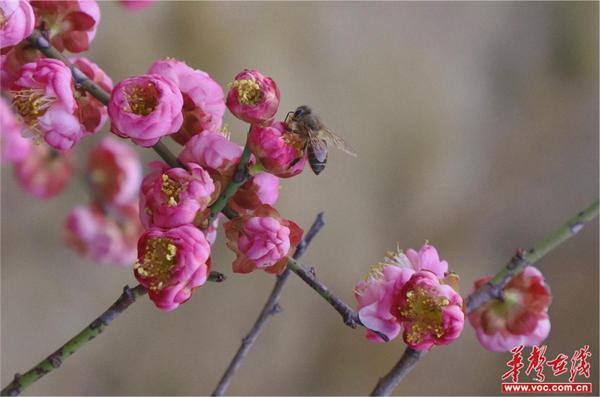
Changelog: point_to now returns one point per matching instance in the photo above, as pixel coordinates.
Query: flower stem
(493, 289)
(241, 175)
(392, 379)
(37, 40)
(270, 308)
(53, 361)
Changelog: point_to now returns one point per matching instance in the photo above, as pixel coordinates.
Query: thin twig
(53, 361)
(239, 178)
(271, 307)
(392, 379)
(493, 289)
(37, 40)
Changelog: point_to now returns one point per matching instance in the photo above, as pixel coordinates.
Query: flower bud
(280, 152)
(171, 264)
(92, 112)
(203, 103)
(520, 318)
(115, 172)
(262, 240)
(16, 21)
(175, 196)
(145, 108)
(212, 151)
(262, 188)
(253, 98)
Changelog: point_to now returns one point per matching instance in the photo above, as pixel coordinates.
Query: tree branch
(37, 40)
(493, 289)
(270, 308)
(95, 328)
(392, 379)
(53, 361)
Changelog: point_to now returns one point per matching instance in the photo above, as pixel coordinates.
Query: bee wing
(318, 145)
(329, 136)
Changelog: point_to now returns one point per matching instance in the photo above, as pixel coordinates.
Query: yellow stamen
(171, 189)
(142, 100)
(158, 262)
(30, 105)
(248, 91)
(425, 313)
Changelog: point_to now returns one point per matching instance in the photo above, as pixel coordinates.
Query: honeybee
(317, 137)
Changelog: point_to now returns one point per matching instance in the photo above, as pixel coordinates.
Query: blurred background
(477, 129)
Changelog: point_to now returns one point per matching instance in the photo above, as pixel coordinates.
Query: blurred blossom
(172, 197)
(279, 151)
(203, 102)
(16, 21)
(262, 240)
(262, 188)
(145, 108)
(136, 4)
(71, 24)
(114, 171)
(172, 263)
(13, 146)
(92, 113)
(520, 318)
(45, 172)
(105, 235)
(253, 97)
(43, 96)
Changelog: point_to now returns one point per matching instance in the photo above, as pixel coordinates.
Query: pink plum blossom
(44, 173)
(104, 236)
(145, 108)
(172, 263)
(280, 152)
(378, 292)
(136, 4)
(13, 146)
(172, 197)
(43, 96)
(211, 230)
(213, 151)
(92, 113)
(430, 312)
(262, 240)
(72, 24)
(520, 318)
(203, 102)
(262, 188)
(253, 97)
(115, 171)
(16, 22)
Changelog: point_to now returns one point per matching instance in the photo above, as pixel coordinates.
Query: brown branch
(392, 379)
(270, 308)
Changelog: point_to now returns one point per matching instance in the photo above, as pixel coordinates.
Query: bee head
(302, 111)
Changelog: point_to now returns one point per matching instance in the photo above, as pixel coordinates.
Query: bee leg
(294, 162)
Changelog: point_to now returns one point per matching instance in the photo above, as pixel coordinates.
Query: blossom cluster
(163, 224)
